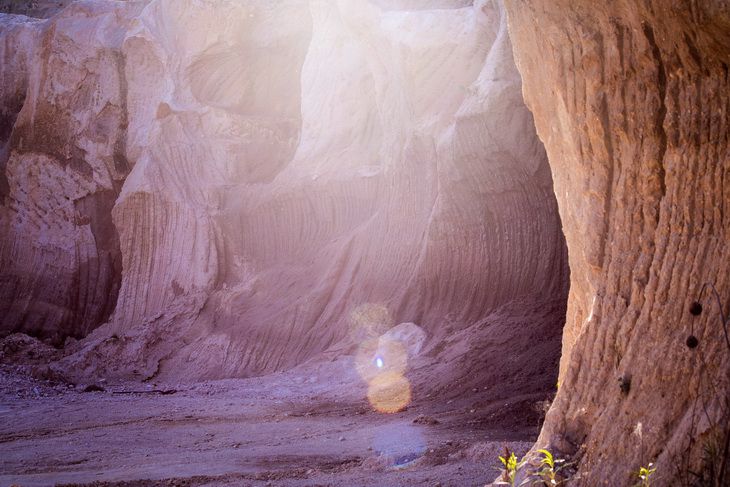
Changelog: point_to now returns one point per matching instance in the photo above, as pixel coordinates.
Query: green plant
(645, 474)
(549, 469)
(511, 467)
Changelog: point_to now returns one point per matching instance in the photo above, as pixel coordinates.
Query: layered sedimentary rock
(288, 169)
(62, 162)
(632, 102)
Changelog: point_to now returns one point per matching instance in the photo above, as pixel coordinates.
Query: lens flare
(381, 358)
(380, 355)
(389, 392)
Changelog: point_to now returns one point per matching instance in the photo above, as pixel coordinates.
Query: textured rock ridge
(632, 102)
(288, 168)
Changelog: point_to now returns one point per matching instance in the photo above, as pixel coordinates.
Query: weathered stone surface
(286, 166)
(64, 118)
(269, 173)
(632, 102)
(33, 8)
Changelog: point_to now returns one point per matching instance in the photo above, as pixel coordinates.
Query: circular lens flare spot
(380, 355)
(389, 392)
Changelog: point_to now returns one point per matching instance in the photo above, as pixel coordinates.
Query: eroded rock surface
(63, 163)
(632, 102)
(287, 167)
(33, 8)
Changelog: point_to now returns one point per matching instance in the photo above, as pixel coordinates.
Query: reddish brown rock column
(631, 101)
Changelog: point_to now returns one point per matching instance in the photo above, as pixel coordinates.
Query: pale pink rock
(284, 164)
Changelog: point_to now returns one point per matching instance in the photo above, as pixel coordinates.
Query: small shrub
(644, 475)
(549, 469)
(511, 467)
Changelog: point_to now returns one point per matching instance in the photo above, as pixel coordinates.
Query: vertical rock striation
(632, 102)
(286, 166)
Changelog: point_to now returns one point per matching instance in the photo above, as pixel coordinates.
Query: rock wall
(632, 102)
(63, 161)
(33, 8)
(288, 168)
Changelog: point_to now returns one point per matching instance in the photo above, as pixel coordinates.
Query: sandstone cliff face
(63, 162)
(287, 167)
(632, 102)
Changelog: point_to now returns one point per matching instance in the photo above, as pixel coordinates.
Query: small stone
(423, 419)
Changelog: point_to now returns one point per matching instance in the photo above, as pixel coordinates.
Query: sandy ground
(312, 426)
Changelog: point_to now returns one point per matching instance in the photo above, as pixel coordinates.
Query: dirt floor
(460, 401)
(312, 426)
